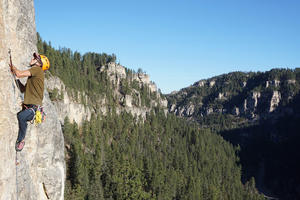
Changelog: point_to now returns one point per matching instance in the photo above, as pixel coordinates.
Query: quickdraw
(39, 114)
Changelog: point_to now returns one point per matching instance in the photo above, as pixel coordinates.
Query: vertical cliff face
(79, 106)
(68, 106)
(42, 168)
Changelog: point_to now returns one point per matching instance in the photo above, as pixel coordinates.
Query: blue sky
(178, 42)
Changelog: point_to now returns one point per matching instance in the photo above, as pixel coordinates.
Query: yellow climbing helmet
(43, 60)
(46, 63)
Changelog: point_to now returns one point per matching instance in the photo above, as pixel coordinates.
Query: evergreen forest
(240, 111)
(116, 157)
(121, 156)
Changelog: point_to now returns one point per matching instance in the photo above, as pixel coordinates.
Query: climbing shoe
(20, 145)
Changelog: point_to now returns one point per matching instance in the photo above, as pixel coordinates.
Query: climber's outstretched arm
(19, 73)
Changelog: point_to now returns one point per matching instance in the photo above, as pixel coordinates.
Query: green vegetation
(269, 151)
(81, 73)
(78, 72)
(236, 87)
(116, 157)
(54, 95)
(268, 146)
(124, 157)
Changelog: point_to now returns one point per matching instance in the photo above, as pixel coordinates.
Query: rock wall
(42, 162)
(248, 95)
(116, 74)
(76, 111)
(68, 107)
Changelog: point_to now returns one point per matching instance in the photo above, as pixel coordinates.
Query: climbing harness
(39, 114)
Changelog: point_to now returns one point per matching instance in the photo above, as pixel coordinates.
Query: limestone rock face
(236, 111)
(244, 84)
(276, 97)
(248, 96)
(212, 83)
(145, 79)
(187, 110)
(252, 101)
(115, 72)
(274, 83)
(128, 101)
(190, 110)
(42, 159)
(67, 106)
(77, 110)
(172, 108)
(209, 111)
(221, 96)
(293, 81)
(132, 102)
(200, 83)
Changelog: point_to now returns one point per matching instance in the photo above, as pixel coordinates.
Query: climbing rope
(45, 191)
(14, 76)
(16, 161)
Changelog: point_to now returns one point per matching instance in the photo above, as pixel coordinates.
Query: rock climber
(34, 93)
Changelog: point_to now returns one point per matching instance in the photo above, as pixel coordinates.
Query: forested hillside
(163, 158)
(247, 95)
(125, 156)
(270, 152)
(260, 113)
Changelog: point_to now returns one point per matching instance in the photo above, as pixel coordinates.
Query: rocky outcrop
(145, 79)
(172, 108)
(184, 111)
(236, 111)
(275, 100)
(117, 72)
(222, 96)
(78, 110)
(132, 102)
(250, 104)
(209, 111)
(66, 105)
(114, 71)
(291, 81)
(247, 95)
(42, 159)
(212, 83)
(274, 83)
(190, 110)
(201, 83)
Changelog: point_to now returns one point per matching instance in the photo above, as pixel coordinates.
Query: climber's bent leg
(23, 117)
